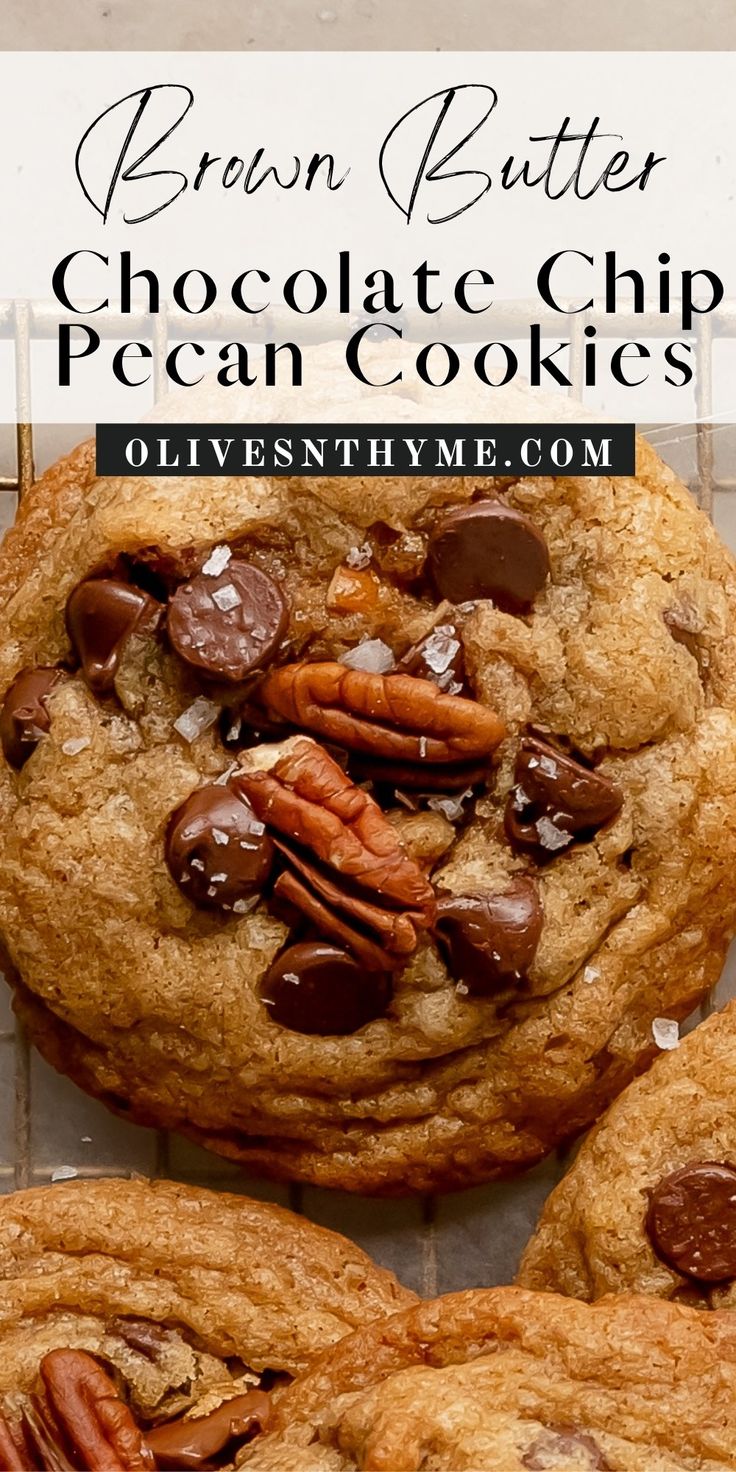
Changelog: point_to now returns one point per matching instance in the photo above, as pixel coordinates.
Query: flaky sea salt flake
(440, 650)
(220, 837)
(666, 1033)
(217, 561)
(226, 598)
(244, 907)
(452, 808)
(197, 718)
(75, 745)
(64, 1173)
(550, 836)
(372, 655)
(359, 557)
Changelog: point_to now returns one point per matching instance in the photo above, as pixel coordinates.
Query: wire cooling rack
(49, 1130)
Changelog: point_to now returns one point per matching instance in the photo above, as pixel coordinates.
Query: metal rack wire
(22, 322)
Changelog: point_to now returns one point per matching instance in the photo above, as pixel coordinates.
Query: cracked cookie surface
(509, 1381)
(190, 1301)
(623, 658)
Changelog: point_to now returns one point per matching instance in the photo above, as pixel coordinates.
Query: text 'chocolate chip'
(101, 615)
(217, 850)
(24, 717)
(556, 800)
(228, 625)
(488, 550)
(491, 939)
(691, 1221)
(316, 988)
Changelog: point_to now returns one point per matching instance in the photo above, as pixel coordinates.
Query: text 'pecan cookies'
(508, 1381)
(650, 1202)
(147, 1327)
(361, 829)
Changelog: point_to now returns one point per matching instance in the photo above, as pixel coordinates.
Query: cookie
(175, 1312)
(509, 1381)
(649, 1204)
(359, 828)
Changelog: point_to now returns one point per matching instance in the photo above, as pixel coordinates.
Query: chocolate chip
(491, 939)
(24, 717)
(229, 624)
(194, 1441)
(317, 988)
(565, 1447)
(101, 615)
(417, 776)
(488, 550)
(217, 851)
(691, 1221)
(437, 657)
(143, 1335)
(556, 800)
(686, 625)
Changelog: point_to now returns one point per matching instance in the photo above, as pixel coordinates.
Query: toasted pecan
(347, 868)
(293, 890)
(96, 1423)
(13, 1453)
(345, 917)
(392, 716)
(308, 798)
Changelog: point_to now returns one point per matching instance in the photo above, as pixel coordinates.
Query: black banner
(365, 449)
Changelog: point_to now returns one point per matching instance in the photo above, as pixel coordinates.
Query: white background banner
(277, 198)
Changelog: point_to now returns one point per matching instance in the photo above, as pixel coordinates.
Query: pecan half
(97, 1424)
(82, 1425)
(347, 870)
(392, 716)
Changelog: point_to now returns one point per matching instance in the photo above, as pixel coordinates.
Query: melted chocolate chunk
(143, 1335)
(101, 615)
(195, 1441)
(491, 939)
(217, 851)
(488, 550)
(556, 800)
(24, 717)
(691, 1221)
(438, 657)
(229, 624)
(565, 1447)
(316, 988)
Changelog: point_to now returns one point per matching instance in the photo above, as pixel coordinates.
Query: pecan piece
(393, 716)
(334, 913)
(97, 1424)
(43, 1437)
(348, 871)
(13, 1452)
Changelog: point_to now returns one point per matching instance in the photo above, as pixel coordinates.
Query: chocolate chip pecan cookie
(147, 1325)
(508, 1381)
(360, 827)
(650, 1202)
